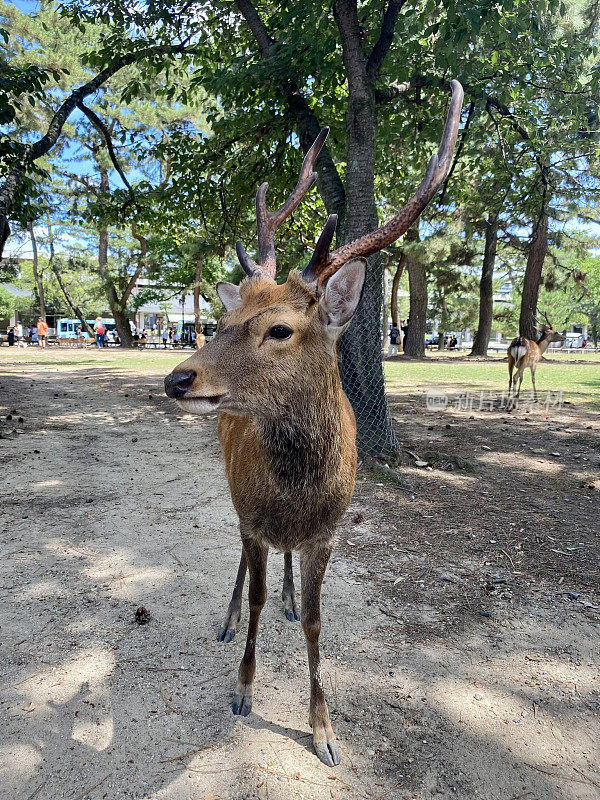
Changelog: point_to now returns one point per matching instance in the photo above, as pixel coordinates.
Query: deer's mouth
(201, 404)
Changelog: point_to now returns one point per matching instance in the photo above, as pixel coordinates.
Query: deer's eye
(280, 332)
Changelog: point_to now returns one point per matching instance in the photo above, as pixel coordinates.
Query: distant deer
(286, 428)
(523, 353)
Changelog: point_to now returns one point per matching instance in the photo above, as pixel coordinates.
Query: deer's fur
(524, 353)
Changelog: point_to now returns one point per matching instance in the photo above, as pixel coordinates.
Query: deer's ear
(341, 296)
(229, 295)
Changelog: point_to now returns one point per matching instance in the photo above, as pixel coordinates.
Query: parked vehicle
(67, 328)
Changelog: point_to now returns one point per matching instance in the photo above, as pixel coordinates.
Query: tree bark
(414, 344)
(197, 322)
(36, 272)
(395, 288)
(486, 289)
(443, 321)
(538, 248)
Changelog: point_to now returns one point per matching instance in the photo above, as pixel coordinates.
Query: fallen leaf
(557, 733)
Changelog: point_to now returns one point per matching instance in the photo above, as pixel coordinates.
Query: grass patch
(579, 382)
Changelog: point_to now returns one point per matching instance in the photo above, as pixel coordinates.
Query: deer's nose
(178, 383)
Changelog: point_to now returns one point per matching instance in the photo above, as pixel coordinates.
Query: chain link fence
(361, 367)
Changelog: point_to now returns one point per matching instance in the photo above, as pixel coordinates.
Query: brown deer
(286, 428)
(523, 353)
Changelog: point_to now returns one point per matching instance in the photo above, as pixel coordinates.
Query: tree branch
(383, 43)
(346, 17)
(458, 151)
(329, 182)
(141, 263)
(99, 125)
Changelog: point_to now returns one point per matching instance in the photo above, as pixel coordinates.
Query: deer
(286, 428)
(524, 353)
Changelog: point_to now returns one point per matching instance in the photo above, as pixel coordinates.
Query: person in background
(165, 336)
(42, 331)
(175, 337)
(394, 340)
(10, 337)
(19, 335)
(79, 336)
(404, 330)
(99, 330)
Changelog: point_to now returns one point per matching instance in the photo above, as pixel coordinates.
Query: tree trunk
(538, 248)
(36, 272)
(395, 288)
(197, 322)
(114, 303)
(443, 321)
(486, 290)
(116, 309)
(360, 347)
(414, 344)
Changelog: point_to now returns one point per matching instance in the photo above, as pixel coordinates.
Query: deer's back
(287, 485)
(532, 351)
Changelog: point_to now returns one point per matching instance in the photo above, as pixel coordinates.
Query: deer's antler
(545, 317)
(267, 221)
(371, 243)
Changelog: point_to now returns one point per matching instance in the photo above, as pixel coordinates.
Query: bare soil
(461, 607)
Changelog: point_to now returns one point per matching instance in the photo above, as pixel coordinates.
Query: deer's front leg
(234, 611)
(288, 594)
(313, 562)
(256, 555)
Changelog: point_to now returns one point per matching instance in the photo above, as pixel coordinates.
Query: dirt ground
(461, 607)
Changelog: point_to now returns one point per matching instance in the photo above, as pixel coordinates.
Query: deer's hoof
(292, 614)
(225, 634)
(242, 705)
(328, 752)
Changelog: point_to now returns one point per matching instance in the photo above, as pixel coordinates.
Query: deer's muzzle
(177, 384)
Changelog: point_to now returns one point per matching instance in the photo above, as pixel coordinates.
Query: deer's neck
(303, 441)
(543, 345)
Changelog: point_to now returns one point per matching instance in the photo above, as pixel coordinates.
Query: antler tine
(268, 221)
(437, 170)
(249, 266)
(543, 313)
(320, 256)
